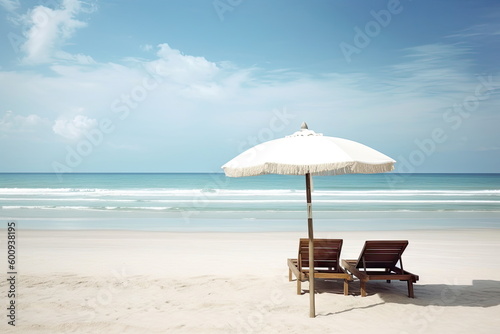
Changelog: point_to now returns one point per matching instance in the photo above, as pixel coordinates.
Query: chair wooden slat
(382, 255)
(326, 262)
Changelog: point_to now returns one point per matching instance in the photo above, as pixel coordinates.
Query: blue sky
(185, 85)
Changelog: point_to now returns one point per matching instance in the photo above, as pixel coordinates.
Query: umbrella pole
(312, 311)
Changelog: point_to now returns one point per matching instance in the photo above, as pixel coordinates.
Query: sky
(186, 85)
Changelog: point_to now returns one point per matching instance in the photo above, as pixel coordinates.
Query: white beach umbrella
(308, 153)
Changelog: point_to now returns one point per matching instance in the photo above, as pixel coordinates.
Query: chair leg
(346, 287)
(299, 288)
(363, 288)
(289, 275)
(410, 289)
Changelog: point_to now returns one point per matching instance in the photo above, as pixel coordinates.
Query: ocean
(212, 202)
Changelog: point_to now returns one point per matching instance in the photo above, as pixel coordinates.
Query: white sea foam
(82, 193)
(242, 200)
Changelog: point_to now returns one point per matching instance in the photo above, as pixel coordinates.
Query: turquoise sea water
(213, 202)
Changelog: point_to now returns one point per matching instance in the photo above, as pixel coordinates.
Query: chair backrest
(381, 254)
(326, 253)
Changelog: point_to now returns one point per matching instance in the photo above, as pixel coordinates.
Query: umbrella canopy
(308, 153)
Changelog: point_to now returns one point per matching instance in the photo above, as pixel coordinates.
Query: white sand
(146, 282)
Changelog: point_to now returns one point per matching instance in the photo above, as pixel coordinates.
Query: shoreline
(266, 222)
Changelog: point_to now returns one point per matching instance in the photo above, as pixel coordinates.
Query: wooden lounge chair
(378, 261)
(326, 262)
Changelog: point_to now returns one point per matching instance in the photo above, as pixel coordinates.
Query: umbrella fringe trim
(320, 169)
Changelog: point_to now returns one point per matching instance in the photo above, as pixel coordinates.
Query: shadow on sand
(481, 293)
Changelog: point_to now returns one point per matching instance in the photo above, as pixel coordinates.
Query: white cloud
(146, 47)
(478, 31)
(10, 5)
(49, 29)
(12, 123)
(184, 69)
(178, 98)
(75, 128)
(434, 66)
(75, 58)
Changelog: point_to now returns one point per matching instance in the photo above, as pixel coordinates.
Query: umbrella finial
(305, 132)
